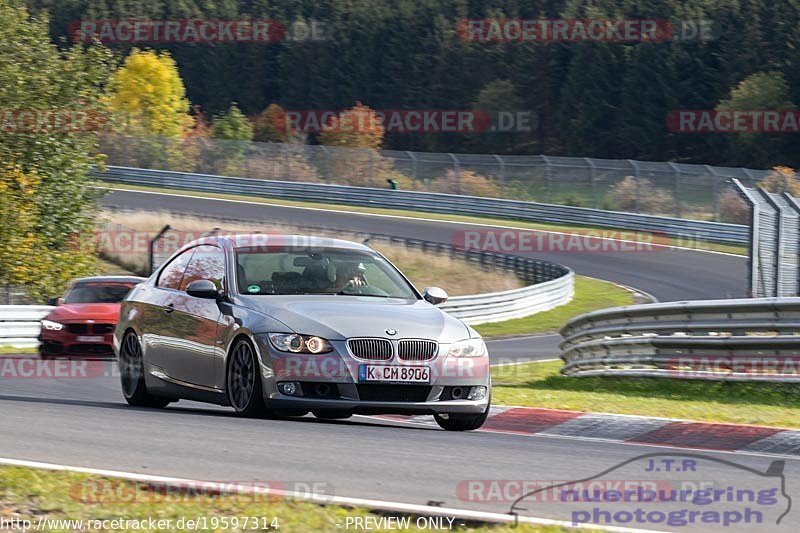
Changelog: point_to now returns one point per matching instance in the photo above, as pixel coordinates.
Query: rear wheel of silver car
(462, 422)
(243, 380)
(131, 371)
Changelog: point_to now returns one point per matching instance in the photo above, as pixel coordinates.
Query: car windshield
(106, 293)
(334, 271)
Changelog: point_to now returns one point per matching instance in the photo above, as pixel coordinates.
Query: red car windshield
(106, 293)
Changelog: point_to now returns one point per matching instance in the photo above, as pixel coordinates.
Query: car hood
(343, 317)
(108, 313)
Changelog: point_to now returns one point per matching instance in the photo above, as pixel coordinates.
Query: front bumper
(331, 381)
(65, 344)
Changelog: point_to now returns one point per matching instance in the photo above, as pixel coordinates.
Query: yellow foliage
(25, 261)
(148, 97)
(358, 127)
(781, 179)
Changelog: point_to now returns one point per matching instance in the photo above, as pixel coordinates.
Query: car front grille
(372, 349)
(83, 328)
(393, 393)
(416, 349)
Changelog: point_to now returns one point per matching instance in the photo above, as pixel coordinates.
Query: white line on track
(404, 217)
(323, 499)
(525, 362)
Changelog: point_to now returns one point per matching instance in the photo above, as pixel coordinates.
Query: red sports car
(83, 322)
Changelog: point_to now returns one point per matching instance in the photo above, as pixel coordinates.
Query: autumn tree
(232, 125)
(781, 179)
(357, 127)
(270, 125)
(44, 172)
(358, 131)
(148, 97)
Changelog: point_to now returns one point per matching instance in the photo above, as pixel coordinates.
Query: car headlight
(292, 342)
(52, 326)
(468, 348)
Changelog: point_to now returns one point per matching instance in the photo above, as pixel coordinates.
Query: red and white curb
(635, 430)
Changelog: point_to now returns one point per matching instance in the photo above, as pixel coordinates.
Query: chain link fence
(698, 192)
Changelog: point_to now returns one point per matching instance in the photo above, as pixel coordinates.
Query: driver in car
(350, 275)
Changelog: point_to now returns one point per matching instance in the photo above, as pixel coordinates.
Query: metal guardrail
(20, 324)
(740, 339)
(550, 285)
(683, 190)
(430, 202)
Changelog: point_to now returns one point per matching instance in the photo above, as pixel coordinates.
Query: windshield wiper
(343, 293)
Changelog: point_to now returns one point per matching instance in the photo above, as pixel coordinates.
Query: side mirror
(434, 295)
(55, 300)
(203, 288)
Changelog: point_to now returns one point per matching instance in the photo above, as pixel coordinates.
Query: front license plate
(90, 338)
(396, 374)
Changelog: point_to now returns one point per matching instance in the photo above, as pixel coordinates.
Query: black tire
(243, 381)
(131, 375)
(462, 422)
(332, 414)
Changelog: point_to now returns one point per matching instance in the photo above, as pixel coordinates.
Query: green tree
(759, 91)
(232, 125)
(46, 171)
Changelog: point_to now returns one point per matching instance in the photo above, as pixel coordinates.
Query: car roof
(248, 240)
(111, 279)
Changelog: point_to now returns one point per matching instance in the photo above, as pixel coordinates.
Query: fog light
(476, 393)
(290, 388)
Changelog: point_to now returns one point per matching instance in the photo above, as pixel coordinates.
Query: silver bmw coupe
(284, 324)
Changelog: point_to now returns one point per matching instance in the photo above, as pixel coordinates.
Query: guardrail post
(413, 166)
(548, 176)
(752, 256)
(715, 178)
(502, 174)
(457, 170)
(677, 172)
(636, 177)
(593, 178)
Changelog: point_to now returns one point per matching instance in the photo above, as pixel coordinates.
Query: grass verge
(32, 494)
(490, 221)
(590, 294)
(10, 350)
(541, 385)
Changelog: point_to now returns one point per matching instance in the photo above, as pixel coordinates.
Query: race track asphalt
(85, 422)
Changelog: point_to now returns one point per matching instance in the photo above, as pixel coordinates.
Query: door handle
(169, 308)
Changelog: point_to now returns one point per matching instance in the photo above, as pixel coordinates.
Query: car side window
(208, 262)
(172, 274)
